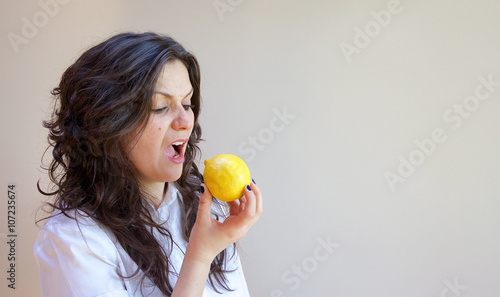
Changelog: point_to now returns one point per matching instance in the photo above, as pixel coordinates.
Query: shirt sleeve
(77, 259)
(237, 277)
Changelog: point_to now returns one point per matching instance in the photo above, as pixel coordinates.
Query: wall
(371, 127)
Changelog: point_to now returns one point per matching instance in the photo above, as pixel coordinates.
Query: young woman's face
(158, 154)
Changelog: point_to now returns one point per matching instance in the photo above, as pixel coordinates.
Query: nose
(184, 119)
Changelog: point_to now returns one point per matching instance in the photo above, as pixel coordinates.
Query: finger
(243, 201)
(250, 205)
(240, 217)
(234, 207)
(205, 205)
(246, 218)
(258, 197)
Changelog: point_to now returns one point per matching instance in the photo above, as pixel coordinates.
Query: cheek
(191, 119)
(154, 135)
(150, 140)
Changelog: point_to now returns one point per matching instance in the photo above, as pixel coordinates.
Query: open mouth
(176, 149)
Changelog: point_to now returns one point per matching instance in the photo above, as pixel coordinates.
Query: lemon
(226, 177)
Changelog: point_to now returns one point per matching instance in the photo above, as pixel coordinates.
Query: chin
(174, 176)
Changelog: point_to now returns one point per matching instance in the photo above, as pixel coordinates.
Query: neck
(155, 193)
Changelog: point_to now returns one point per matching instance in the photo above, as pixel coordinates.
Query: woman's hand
(209, 236)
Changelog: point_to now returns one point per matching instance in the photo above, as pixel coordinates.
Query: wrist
(198, 255)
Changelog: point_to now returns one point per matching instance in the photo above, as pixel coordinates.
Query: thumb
(205, 205)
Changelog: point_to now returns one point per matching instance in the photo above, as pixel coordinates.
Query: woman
(131, 215)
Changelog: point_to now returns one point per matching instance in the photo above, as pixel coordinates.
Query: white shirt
(83, 258)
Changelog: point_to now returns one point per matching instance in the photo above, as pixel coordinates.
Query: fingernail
(254, 182)
(202, 189)
(248, 188)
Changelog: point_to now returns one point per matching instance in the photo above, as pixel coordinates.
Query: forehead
(174, 79)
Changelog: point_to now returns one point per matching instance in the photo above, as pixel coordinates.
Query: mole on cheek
(159, 128)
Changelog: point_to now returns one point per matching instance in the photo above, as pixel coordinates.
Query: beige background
(349, 118)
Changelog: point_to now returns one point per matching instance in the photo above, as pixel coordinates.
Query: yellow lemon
(226, 177)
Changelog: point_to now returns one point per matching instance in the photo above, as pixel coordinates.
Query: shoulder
(75, 232)
(71, 224)
(69, 219)
(77, 257)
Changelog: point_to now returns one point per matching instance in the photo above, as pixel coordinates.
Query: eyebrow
(172, 97)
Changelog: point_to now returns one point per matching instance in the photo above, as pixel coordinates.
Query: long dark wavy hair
(101, 100)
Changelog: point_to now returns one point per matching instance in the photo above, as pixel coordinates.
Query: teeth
(177, 146)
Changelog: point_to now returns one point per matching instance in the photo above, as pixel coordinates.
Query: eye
(160, 110)
(188, 106)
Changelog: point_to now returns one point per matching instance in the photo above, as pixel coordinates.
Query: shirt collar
(169, 197)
